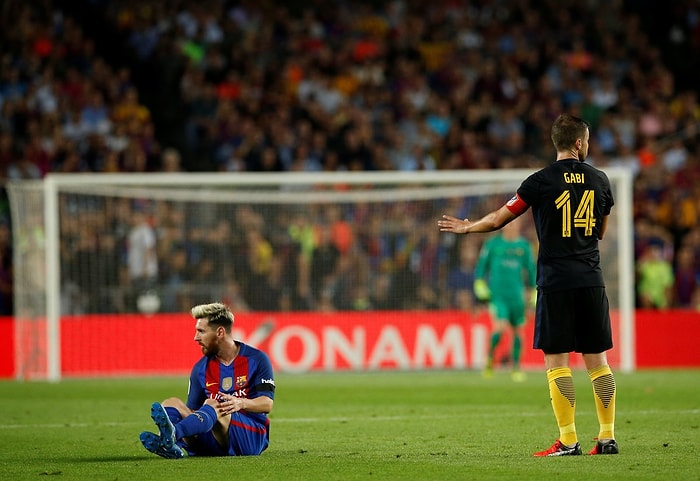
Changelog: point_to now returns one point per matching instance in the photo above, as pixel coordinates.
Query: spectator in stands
(142, 261)
(259, 269)
(6, 291)
(654, 279)
(461, 277)
(687, 277)
(324, 265)
(171, 160)
(393, 92)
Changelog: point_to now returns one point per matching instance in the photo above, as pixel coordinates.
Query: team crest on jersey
(226, 383)
(241, 381)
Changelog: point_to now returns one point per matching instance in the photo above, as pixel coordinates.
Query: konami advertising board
(163, 344)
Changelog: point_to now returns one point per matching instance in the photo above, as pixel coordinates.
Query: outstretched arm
(490, 222)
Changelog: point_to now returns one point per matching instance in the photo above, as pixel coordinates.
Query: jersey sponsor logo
(209, 384)
(267, 381)
(227, 383)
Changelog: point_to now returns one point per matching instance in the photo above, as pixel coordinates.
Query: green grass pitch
(360, 426)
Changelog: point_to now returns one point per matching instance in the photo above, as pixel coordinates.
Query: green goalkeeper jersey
(508, 266)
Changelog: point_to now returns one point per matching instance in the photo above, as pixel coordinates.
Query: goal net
(125, 257)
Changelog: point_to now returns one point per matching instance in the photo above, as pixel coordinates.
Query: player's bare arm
(490, 222)
(230, 404)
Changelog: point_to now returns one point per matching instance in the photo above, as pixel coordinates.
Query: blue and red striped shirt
(248, 376)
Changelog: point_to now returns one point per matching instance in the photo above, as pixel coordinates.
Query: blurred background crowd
(265, 86)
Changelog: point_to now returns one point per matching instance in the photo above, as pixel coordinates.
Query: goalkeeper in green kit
(505, 277)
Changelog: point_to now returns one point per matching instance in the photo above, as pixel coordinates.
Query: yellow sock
(604, 394)
(563, 397)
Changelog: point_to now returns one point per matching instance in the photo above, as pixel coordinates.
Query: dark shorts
(575, 320)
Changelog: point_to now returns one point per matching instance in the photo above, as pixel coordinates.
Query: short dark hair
(566, 129)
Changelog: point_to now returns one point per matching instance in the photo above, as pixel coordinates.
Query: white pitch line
(308, 420)
(652, 412)
(66, 425)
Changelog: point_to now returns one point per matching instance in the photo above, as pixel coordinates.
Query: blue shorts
(246, 437)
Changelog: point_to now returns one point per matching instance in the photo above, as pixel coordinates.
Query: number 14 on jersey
(583, 217)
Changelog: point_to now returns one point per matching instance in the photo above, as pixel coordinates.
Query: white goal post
(41, 209)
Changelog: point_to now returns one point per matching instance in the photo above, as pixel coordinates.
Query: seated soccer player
(231, 391)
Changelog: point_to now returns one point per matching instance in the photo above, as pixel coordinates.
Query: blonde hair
(215, 313)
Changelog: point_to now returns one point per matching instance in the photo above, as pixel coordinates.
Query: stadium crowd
(264, 86)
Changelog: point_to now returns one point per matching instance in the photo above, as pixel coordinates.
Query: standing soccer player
(505, 277)
(231, 391)
(570, 203)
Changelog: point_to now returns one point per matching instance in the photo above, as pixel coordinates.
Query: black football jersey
(569, 200)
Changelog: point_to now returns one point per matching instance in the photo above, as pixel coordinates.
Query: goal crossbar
(303, 188)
